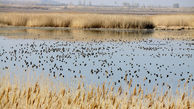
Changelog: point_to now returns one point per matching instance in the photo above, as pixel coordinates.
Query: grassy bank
(173, 21)
(78, 20)
(75, 20)
(41, 96)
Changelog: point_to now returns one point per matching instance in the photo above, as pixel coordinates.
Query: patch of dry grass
(80, 20)
(174, 21)
(75, 20)
(34, 20)
(41, 96)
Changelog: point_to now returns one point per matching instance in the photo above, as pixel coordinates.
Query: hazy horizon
(168, 3)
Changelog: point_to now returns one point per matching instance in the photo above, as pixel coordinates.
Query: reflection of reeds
(37, 96)
(76, 20)
(74, 34)
(88, 35)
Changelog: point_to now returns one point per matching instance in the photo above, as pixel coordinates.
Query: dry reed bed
(75, 20)
(40, 96)
(96, 20)
(173, 21)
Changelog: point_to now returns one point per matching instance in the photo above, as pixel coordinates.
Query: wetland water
(150, 58)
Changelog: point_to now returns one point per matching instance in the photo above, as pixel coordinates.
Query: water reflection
(75, 34)
(88, 35)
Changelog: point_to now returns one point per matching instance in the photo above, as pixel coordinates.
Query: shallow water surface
(163, 59)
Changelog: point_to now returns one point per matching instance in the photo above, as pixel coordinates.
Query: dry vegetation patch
(174, 21)
(79, 20)
(76, 20)
(41, 96)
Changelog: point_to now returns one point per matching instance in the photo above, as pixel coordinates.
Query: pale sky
(141, 2)
(183, 3)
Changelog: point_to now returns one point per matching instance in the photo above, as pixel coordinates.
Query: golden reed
(75, 20)
(83, 20)
(41, 96)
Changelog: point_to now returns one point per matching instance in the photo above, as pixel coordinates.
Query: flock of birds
(144, 61)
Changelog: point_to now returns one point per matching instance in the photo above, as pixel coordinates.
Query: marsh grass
(81, 20)
(76, 20)
(37, 95)
(174, 21)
